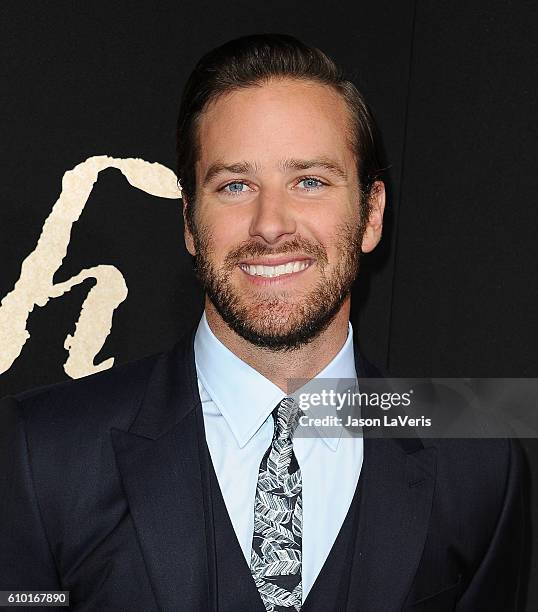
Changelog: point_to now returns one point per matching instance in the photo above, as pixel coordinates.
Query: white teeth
(270, 271)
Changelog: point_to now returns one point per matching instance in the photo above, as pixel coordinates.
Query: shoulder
(479, 477)
(99, 401)
(478, 456)
(62, 432)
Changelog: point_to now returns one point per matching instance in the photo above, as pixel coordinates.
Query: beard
(289, 319)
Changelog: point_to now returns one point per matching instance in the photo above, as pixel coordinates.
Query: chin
(278, 331)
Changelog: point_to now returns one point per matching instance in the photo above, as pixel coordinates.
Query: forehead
(281, 118)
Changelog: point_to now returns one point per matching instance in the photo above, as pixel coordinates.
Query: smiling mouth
(274, 271)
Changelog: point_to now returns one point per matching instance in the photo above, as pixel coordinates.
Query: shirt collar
(244, 397)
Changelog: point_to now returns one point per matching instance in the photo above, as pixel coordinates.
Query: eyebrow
(318, 162)
(245, 167)
(219, 167)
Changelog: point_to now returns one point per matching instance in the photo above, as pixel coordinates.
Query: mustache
(255, 249)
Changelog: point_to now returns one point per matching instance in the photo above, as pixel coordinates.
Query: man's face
(278, 230)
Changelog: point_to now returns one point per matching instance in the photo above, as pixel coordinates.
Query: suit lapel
(397, 484)
(163, 470)
(395, 505)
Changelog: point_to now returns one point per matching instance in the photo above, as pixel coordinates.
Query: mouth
(275, 268)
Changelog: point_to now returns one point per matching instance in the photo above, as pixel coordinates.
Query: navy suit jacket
(104, 492)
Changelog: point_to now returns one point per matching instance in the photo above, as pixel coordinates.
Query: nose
(273, 216)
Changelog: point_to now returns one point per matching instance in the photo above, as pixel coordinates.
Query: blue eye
(233, 188)
(311, 183)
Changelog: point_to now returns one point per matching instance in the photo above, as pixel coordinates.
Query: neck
(304, 362)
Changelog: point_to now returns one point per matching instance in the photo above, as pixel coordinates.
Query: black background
(452, 289)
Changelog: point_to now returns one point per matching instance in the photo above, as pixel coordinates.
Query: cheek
(227, 228)
(335, 231)
(328, 226)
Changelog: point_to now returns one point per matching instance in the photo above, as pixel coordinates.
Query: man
(176, 482)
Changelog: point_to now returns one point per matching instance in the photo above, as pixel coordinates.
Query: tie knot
(286, 416)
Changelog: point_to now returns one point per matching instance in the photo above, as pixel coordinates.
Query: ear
(189, 239)
(374, 225)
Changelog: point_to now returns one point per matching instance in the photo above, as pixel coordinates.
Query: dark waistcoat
(236, 590)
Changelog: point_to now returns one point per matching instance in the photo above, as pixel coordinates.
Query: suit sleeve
(26, 562)
(499, 583)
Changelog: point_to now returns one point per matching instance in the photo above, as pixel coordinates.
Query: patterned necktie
(275, 560)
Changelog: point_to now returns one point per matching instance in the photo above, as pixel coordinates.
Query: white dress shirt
(237, 402)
